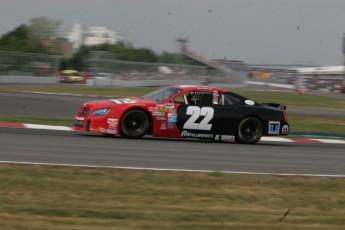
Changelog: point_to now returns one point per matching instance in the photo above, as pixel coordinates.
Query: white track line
(330, 141)
(48, 127)
(277, 139)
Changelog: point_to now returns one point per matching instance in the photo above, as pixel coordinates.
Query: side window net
(227, 99)
(200, 98)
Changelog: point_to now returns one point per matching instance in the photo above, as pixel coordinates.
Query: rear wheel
(249, 131)
(134, 124)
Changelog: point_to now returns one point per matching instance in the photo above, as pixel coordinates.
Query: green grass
(41, 197)
(316, 124)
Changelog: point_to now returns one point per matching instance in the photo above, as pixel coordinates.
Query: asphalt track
(61, 147)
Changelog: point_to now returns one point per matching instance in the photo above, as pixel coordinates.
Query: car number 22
(195, 113)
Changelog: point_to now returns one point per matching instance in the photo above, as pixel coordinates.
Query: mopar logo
(285, 129)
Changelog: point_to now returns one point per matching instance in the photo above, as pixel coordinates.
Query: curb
(264, 139)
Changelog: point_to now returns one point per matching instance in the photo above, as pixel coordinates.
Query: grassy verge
(37, 197)
(316, 124)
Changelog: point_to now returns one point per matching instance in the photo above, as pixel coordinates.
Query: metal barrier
(28, 64)
(105, 69)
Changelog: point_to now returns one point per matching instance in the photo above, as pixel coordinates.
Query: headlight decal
(101, 112)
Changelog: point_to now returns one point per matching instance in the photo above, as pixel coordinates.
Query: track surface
(59, 147)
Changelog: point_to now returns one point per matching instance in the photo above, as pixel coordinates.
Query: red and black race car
(183, 111)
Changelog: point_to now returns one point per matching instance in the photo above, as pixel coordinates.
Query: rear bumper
(276, 128)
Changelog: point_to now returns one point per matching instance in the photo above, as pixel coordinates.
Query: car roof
(69, 71)
(199, 87)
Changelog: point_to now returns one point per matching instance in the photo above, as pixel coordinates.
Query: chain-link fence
(28, 64)
(102, 64)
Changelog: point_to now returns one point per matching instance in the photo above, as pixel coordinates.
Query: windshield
(71, 74)
(161, 94)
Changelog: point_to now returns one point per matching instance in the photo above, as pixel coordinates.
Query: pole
(344, 58)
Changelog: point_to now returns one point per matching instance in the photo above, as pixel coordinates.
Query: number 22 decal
(195, 113)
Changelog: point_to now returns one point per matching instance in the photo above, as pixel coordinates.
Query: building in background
(99, 35)
(94, 35)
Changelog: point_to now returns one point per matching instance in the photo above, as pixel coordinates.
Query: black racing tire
(249, 131)
(134, 124)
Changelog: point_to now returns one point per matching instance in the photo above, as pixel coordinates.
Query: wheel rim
(250, 131)
(135, 123)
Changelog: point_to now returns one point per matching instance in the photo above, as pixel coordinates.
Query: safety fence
(28, 64)
(102, 65)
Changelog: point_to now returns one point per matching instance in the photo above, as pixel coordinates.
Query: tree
(45, 28)
(39, 36)
(174, 58)
(20, 40)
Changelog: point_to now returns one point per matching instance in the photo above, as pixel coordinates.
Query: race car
(71, 76)
(184, 111)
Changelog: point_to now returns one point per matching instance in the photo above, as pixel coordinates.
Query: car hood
(117, 101)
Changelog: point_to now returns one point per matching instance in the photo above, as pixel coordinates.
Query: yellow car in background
(71, 76)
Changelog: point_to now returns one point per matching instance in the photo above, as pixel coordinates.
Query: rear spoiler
(275, 105)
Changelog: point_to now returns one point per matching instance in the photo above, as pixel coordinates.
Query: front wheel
(134, 124)
(249, 131)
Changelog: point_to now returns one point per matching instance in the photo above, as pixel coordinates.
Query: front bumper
(96, 124)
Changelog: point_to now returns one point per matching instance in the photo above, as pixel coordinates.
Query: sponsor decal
(163, 110)
(197, 135)
(273, 127)
(112, 122)
(160, 106)
(79, 118)
(172, 117)
(157, 114)
(111, 131)
(169, 106)
(170, 125)
(249, 102)
(227, 138)
(123, 101)
(194, 122)
(285, 129)
(102, 130)
(161, 118)
(132, 105)
(163, 126)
